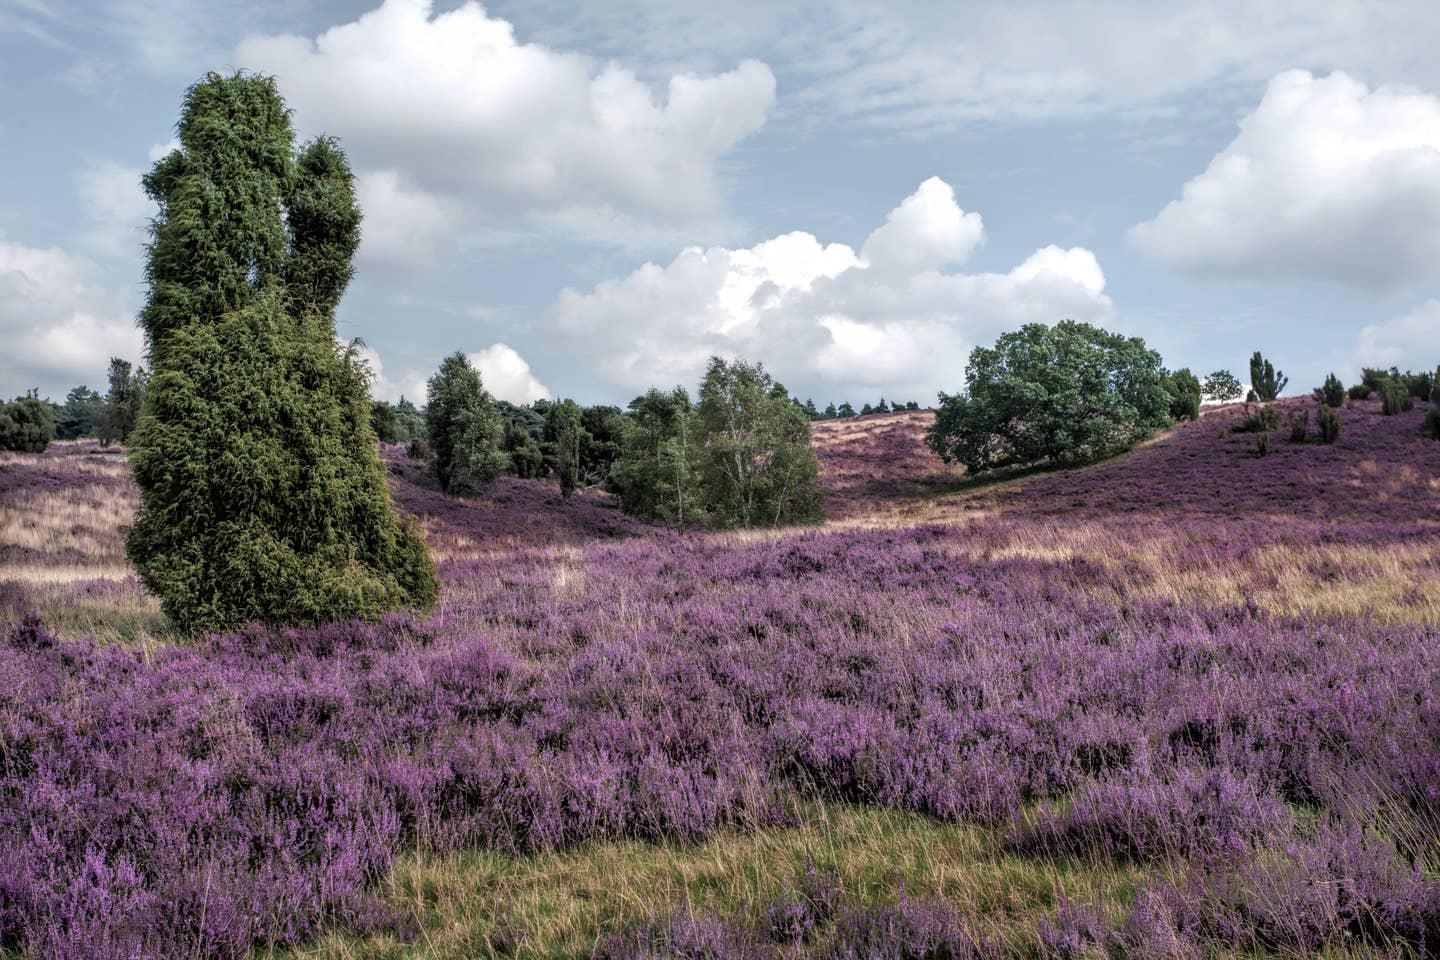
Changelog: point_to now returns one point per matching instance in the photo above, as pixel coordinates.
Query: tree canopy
(1060, 394)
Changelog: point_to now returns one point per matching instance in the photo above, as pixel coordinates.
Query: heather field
(1181, 703)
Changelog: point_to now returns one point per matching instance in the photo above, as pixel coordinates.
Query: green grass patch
(469, 904)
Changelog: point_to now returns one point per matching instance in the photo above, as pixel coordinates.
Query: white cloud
(402, 226)
(58, 328)
(112, 198)
(1327, 180)
(919, 66)
(927, 231)
(1409, 341)
(823, 318)
(456, 109)
(507, 376)
(410, 384)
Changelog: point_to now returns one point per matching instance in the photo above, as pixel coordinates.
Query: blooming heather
(588, 677)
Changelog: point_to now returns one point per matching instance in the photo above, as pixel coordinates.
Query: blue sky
(592, 198)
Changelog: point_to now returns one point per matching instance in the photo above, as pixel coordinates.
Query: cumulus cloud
(59, 329)
(505, 373)
(117, 208)
(896, 318)
(402, 226)
(507, 376)
(453, 107)
(1327, 180)
(1411, 340)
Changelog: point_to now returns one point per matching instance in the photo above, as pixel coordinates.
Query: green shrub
(27, 424)
(1183, 388)
(1432, 422)
(1361, 391)
(1332, 392)
(1300, 425)
(263, 496)
(1260, 420)
(1327, 421)
(1262, 444)
(1394, 397)
(1435, 386)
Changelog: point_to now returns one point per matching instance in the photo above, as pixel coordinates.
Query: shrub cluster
(1260, 419)
(27, 424)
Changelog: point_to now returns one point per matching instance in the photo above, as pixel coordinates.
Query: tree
(1060, 394)
(830, 412)
(565, 437)
(912, 405)
(845, 409)
(882, 406)
(384, 422)
(263, 496)
(657, 474)
(1331, 392)
(121, 411)
(463, 426)
(759, 468)
(1184, 390)
(599, 444)
(1265, 380)
(1222, 386)
(78, 415)
(27, 424)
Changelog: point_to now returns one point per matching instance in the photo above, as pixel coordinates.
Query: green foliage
(1222, 386)
(1361, 391)
(1300, 425)
(1420, 385)
(1261, 420)
(1262, 444)
(396, 422)
(758, 467)
(1184, 391)
(262, 493)
(1432, 423)
(121, 411)
(912, 405)
(1265, 380)
(27, 424)
(384, 422)
(463, 426)
(1394, 397)
(1062, 394)
(830, 412)
(1327, 421)
(657, 474)
(78, 415)
(565, 439)
(1332, 392)
(866, 410)
(599, 444)
(1435, 386)
(846, 410)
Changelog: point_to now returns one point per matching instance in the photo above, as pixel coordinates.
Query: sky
(592, 198)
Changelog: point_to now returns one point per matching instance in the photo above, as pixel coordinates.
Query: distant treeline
(737, 456)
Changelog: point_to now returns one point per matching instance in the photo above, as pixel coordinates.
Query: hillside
(1186, 696)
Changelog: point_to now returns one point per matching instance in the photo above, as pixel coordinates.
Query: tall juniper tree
(262, 493)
